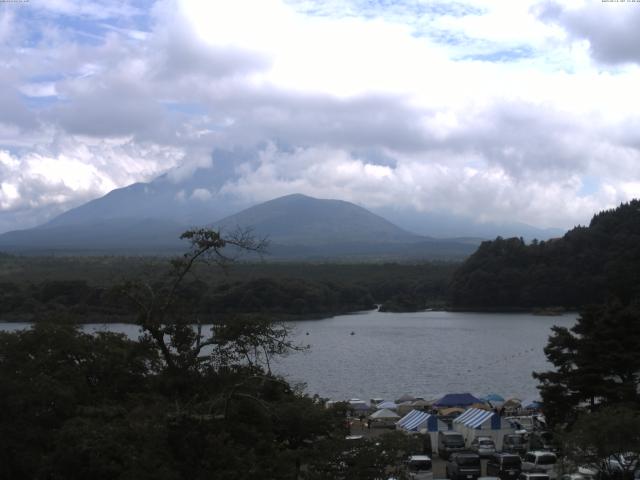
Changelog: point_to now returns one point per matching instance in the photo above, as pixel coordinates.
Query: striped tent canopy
(473, 417)
(413, 421)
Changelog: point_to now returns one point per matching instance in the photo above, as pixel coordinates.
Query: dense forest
(178, 403)
(81, 289)
(586, 266)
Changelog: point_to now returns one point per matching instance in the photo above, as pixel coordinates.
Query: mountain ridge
(298, 226)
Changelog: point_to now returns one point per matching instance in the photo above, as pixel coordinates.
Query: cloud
(492, 109)
(54, 177)
(611, 28)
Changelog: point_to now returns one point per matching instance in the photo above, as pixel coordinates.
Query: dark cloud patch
(610, 27)
(183, 57)
(372, 121)
(526, 141)
(13, 112)
(116, 108)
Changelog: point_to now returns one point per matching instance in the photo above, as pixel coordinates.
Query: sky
(500, 110)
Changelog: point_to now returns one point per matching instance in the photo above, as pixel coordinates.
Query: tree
(597, 362)
(606, 441)
(175, 404)
(167, 308)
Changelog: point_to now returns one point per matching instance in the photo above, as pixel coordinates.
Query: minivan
(514, 443)
(420, 467)
(463, 466)
(504, 465)
(540, 461)
(533, 476)
(449, 442)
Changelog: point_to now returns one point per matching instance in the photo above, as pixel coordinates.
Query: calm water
(426, 354)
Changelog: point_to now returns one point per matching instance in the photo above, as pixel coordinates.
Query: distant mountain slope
(117, 236)
(586, 265)
(447, 225)
(298, 227)
(302, 220)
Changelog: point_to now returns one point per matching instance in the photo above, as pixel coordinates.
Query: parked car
(514, 443)
(533, 476)
(449, 442)
(483, 446)
(507, 466)
(575, 476)
(420, 467)
(540, 461)
(522, 422)
(463, 466)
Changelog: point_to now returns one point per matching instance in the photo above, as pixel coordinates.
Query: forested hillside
(587, 265)
(81, 289)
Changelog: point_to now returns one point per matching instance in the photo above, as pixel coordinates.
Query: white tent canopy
(384, 414)
(387, 405)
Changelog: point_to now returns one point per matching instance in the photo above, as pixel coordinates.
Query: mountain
(301, 220)
(587, 265)
(189, 197)
(298, 227)
(447, 225)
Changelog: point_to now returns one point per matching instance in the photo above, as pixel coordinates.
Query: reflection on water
(426, 353)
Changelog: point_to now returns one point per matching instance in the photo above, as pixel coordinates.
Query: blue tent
(493, 397)
(462, 400)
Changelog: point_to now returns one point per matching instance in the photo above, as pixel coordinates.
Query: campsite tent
(475, 422)
(450, 412)
(358, 406)
(422, 422)
(405, 398)
(384, 413)
(421, 403)
(384, 418)
(494, 398)
(462, 400)
(387, 405)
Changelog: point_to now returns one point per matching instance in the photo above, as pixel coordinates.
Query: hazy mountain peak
(300, 219)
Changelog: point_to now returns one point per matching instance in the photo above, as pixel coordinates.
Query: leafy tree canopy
(597, 362)
(587, 265)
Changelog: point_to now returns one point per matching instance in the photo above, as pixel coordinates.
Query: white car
(420, 467)
(540, 461)
(483, 446)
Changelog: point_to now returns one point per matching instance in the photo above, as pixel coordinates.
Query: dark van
(449, 442)
(463, 466)
(514, 443)
(506, 466)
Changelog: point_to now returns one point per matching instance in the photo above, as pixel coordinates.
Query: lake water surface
(426, 353)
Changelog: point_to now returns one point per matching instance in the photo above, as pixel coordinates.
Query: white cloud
(62, 175)
(499, 109)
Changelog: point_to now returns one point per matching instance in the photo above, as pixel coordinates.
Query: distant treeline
(83, 289)
(586, 266)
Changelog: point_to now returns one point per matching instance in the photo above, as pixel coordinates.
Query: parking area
(439, 467)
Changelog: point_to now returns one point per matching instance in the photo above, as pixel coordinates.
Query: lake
(425, 354)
